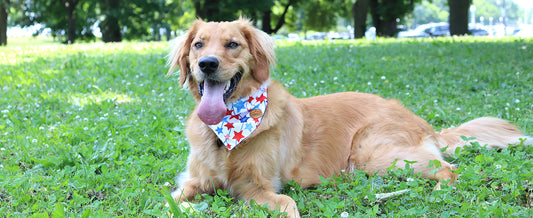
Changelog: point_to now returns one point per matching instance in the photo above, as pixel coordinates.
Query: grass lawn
(97, 130)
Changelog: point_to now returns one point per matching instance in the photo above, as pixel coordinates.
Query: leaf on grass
(173, 206)
(59, 211)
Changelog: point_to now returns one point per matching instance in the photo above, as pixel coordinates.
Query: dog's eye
(232, 45)
(198, 44)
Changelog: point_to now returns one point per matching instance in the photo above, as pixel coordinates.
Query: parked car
(524, 32)
(293, 37)
(427, 30)
(476, 31)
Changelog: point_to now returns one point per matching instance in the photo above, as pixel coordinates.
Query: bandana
(242, 118)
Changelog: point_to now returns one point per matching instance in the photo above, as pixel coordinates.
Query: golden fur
(302, 139)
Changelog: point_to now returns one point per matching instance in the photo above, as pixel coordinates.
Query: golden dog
(248, 135)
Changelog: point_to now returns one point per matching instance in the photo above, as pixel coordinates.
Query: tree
(70, 6)
(266, 17)
(430, 12)
(459, 16)
(61, 17)
(360, 12)
(494, 8)
(320, 15)
(109, 26)
(214, 10)
(4, 10)
(385, 14)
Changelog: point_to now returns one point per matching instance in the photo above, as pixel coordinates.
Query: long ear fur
(261, 48)
(179, 55)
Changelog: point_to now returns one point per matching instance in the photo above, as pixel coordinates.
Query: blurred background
(69, 21)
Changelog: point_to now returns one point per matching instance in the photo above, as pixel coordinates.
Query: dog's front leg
(196, 180)
(264, 194)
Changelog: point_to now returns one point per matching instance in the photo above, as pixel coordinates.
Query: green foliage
(53, 14)
(430, 12)
(96, 130)
(492, 8)
(320, 15)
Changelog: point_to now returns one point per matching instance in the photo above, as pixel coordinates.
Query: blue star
(239, 105)
(219, 130)
(244, 119)
(225, 119)
(249, 127)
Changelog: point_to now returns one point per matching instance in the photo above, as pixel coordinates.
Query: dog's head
(222, 62)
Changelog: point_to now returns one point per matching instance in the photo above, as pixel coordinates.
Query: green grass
(96, 130)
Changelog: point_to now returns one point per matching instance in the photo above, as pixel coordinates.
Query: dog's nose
(208, 64)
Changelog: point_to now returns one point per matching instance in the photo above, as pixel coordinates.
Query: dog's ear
(179, 55)
(262, 49)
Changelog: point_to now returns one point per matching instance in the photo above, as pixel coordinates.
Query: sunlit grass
(97, 129)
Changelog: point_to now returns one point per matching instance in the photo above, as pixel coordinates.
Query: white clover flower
(383, 77)
(345, 214)
(41, 128)
(34, 141)
(85, 128)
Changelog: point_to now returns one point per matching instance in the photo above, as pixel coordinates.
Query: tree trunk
(70, 5)
(4, 7)
(390, 27)
(459, 16)
(376, 19)
(208, 10)
(267, 19)
(110, 26)
(360, 11)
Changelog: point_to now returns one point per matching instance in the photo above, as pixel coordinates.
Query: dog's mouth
(215, 95)
(229, 87)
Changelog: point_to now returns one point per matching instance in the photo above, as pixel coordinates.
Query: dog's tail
(490, 131)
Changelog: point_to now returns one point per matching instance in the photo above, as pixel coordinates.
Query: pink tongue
(212, 108)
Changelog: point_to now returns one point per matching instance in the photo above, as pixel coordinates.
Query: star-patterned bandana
(242, 118)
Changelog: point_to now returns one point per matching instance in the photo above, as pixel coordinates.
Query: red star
(250, 99)
(226, 137)
(229, 125)
(234, 116)
(257, 121)
(238, 136)
(261, 99)
(229, 112)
